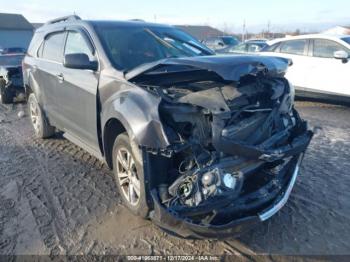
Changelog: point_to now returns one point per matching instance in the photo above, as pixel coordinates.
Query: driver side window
(76, 44)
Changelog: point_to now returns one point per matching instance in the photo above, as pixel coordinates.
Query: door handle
(60, 77)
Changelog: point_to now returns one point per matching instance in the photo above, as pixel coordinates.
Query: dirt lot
(57, 199)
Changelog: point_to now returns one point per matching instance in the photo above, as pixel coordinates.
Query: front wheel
(129, 174)
(5, 96)
(40, 124)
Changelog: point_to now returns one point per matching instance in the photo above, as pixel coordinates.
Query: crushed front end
(236, 144)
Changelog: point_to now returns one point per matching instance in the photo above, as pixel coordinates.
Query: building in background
(37, 25)
(15, 31)
(201, 32)
(338, 30)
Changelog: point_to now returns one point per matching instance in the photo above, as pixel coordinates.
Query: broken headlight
(192, 190)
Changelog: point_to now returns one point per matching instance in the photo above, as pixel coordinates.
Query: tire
(41, 126)
(124, 174)
(5, 96)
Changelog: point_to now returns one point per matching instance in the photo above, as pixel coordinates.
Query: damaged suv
(203, 145)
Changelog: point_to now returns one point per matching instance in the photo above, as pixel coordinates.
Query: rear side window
(326, 48)
(295, 47)
(35, 43)
(53, 47)
(76, 44)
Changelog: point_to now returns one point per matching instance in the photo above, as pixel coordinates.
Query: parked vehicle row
(203, 145)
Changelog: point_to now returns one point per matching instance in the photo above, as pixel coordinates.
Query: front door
(77, 92)
(327, 74)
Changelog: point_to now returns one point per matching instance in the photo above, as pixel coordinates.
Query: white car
(320, 64)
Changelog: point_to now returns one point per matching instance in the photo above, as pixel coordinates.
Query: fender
(137, 110)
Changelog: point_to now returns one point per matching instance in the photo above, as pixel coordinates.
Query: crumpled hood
(229, 68)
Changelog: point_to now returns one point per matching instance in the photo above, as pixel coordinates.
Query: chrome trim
(269, 213)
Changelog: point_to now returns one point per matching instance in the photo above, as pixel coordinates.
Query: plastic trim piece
(269, 213)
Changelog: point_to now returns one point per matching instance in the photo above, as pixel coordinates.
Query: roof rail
(63, 19)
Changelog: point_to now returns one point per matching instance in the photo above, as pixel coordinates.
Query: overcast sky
(307, 15)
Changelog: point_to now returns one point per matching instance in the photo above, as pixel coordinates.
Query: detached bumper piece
(230, 218)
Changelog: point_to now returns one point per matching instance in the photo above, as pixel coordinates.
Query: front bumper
(258, 205)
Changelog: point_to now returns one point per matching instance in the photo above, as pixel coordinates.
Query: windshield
(128, 46)
(11, 60)
(346, 39)
(230, 40)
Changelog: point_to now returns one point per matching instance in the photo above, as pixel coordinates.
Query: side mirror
(79, 61)
(221, 44)
(341, 54)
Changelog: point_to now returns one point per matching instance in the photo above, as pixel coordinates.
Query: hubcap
(34, 114)
(127, 176)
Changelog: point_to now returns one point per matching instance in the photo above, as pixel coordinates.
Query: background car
(216, 43)
(12, 50)
(246, 47)
(11, 79)
(320, 65)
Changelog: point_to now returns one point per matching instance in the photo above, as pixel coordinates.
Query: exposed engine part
(192, 190)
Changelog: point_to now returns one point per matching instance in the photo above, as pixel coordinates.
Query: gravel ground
(57, 199)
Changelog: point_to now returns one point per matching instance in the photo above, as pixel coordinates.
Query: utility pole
(268, 29)
(244, 30)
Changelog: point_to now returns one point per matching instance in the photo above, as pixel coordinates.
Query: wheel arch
(136, 114)
(111, 130)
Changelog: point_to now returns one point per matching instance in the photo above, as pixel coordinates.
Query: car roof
(309, 36)
(128, 23)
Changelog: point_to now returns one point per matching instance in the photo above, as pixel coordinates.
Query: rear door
(47, 70)
(77, 91)
(327, 74)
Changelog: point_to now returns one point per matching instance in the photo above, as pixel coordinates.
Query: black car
(11, 78)
(203, 145)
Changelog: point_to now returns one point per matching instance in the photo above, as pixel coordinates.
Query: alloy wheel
(34, 115)
(127, 176)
